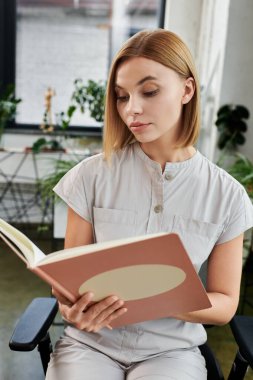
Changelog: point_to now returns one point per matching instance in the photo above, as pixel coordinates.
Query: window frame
(8, 21)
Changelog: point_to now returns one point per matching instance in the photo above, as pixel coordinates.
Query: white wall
(237, 83)
(213, 28)
(183, 17)
(202, 24)
(10, 140)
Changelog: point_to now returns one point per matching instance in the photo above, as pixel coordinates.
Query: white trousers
(73, 360)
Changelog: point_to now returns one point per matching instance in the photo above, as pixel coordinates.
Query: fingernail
(90, 295)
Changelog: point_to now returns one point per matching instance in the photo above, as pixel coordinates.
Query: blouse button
(158, 208)
(168, 176)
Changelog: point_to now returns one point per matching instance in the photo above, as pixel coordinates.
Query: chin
(145, 139)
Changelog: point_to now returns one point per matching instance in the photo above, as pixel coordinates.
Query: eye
(151, 93)
(122, 98)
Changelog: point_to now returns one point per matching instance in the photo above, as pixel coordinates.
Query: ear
(189, 89)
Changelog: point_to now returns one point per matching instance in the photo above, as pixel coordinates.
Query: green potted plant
(231, 126)
(89, 97)
(8, 107)
(85, 97)
(242, 170)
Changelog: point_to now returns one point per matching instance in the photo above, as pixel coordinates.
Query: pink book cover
(155, 277)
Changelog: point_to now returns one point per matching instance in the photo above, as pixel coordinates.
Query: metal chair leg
(45, 348)
(239, 368)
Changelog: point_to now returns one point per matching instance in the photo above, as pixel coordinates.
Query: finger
(91, 320)
(69, 310)
(96, 309)
(115, 315)
(80, 306)
(108, 311)
(75, 312)
(64, 310)
(106, 323)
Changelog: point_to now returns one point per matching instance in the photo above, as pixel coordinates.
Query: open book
(152, 274)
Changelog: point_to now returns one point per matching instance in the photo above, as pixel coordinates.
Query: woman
(150, 178)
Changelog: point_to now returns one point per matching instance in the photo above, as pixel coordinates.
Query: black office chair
(242, 329)
(32, 331)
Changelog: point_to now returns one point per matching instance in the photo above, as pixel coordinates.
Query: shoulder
(97, 164)
(220, 178)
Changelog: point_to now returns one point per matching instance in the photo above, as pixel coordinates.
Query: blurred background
(54, 61)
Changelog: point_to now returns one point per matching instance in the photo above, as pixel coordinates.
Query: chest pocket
(198, 237)
(111, 224)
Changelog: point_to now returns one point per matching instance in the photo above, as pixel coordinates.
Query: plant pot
(29, 149)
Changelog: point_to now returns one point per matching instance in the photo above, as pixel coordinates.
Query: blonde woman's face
(150, 97)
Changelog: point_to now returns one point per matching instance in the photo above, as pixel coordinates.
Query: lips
(137, 124)
(138, 127)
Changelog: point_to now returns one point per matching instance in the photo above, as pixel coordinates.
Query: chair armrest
(33, 324)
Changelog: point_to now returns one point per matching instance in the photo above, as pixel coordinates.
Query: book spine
(55, 284)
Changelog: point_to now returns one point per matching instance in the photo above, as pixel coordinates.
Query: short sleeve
(71, 189)
(240, 217)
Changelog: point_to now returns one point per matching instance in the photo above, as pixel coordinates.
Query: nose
(134, 106)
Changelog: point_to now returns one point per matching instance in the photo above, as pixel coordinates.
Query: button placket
(156, 214)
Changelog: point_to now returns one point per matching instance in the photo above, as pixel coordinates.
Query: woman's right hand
(89, 316)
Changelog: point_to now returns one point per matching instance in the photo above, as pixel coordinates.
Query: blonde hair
(166, 48)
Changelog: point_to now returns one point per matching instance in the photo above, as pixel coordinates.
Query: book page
(20, 243)
(90, 248)
(14, 247)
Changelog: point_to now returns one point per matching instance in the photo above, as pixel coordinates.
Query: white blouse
(130, 197)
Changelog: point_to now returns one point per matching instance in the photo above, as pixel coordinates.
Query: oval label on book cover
(134, 282)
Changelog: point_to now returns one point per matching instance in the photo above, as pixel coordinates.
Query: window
(58, 41)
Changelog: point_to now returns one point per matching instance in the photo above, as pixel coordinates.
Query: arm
(223, 284)
(83, 314)
(78, 231)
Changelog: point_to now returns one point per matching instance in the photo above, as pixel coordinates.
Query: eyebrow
(148, 77)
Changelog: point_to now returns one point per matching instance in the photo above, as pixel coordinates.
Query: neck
(163, 153)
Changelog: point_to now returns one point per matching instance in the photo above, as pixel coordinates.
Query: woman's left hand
(87, 315)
